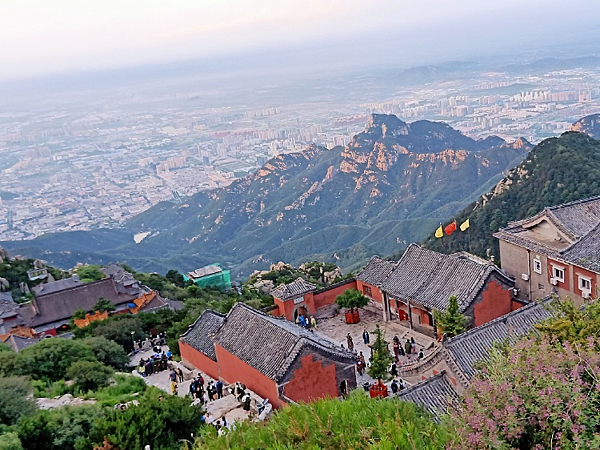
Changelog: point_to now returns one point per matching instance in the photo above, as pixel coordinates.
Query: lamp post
(133, 341)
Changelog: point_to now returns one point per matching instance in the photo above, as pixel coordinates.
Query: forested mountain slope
(556, 171)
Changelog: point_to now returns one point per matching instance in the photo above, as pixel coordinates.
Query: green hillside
(558, 170)
(387, 187)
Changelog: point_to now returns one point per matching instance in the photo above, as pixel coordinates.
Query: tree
(103, 305)
(351, 298)
(176, 278)
(15, 399)
(381, 358)
(358, 422)
(536, 394)
(451, 322)
(10, 441)
(10, 363)
(108, 352)
(90, 273)
(78, 314)
(119, 329)
(161, 422)
(89, 375)
(50, 359)
(59, 429)
(570, 323)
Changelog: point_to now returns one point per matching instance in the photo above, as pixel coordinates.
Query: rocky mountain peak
(589, 125)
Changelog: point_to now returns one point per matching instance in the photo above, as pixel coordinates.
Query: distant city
(97, 158)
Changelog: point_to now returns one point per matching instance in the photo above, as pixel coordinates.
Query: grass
(358, 422)
(124, 389)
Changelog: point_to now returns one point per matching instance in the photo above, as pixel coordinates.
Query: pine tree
(381, 358)
(451, 322)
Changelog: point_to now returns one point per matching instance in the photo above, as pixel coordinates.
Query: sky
(39, 37)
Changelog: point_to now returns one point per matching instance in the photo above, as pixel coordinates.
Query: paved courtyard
(335, 328)
(227, 406)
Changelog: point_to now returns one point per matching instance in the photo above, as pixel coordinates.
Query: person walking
(219, 387)
(173, 376)
(408, 348)
(313, 322)
(350, 342)
(413, 345)
(396, 346)
(180, 374)
(366, 337)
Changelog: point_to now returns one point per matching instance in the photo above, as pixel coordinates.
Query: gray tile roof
(61, 305)
(436, 394)
(429, 278)
(376, 270)
(199, 334)
(298, 287)
(585, 252)
(56, 286)
(8, 307)
(580, 216)
(474, 345)
(270, 344)
(579, 220)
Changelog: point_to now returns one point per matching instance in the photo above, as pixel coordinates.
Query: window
(537, 266)
(541, 287)
(367, 291)
(559, 273)
(585, 284)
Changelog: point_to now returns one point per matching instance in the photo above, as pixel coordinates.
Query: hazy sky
(45, 36)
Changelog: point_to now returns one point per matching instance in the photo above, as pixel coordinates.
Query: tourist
(394, 370)
(366, 337)
(219, 387)
(224, 421)
(302, 321)
(173, 376)
(173, 387)
(359, 367)
(394, 386)
(421, 355)
(313, 322)
(361, 357)
(413, 345)
(246, 402)
(408, 348)
(193, 385)
(180, 374)
(396, 347)
(350, 342)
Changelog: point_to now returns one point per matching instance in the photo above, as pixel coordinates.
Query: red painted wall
(375, 292)
(233, 369)
(567, 283)
(328, 297)
(585, 273)
(422, 314)
(496, 301)
(287, 308)
(312, 381)
(199, 360)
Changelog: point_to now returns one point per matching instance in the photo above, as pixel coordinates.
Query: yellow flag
(464, 225)
(439, 232)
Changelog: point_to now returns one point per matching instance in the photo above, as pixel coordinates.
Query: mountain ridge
(376, 193)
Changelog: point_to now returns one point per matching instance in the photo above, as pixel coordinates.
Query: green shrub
(358, 422)
(89, 375)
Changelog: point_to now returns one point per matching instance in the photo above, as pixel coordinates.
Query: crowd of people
(407, 350)
(157, 362)
(308, 322)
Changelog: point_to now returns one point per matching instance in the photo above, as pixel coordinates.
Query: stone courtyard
(331, 323)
